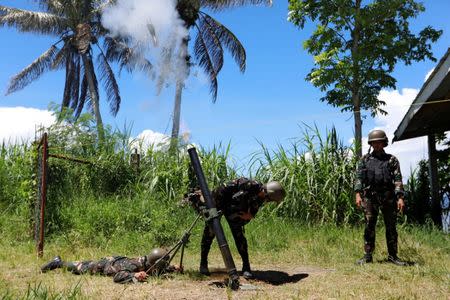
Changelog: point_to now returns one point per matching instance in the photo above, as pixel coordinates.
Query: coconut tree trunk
(179, 89)
(89, 71)
(177, 110)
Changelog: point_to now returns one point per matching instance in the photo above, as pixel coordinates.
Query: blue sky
(267, 103)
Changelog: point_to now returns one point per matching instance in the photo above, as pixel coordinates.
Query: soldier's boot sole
(55, 263)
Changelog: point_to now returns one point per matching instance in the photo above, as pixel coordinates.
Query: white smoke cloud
(155, 31)
(18, 124)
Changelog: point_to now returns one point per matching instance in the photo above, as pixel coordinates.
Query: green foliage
(318, 174)
(105, 197)
(356, 46)
(420, 202)
(419, 194)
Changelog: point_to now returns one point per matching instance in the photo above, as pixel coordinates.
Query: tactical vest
(378, 174)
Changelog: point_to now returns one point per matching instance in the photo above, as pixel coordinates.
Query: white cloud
(148, 139)
(411, 151)
(18, 124)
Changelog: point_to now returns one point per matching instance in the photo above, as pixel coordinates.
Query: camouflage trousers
(104, 266)
(374, 202)
(238, 233)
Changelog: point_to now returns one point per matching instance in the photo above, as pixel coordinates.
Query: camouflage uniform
(234, 198)
(121, 267)
(379, 181)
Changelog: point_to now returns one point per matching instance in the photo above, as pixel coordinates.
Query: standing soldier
(379, 185)
(123, 269)
(239, 201)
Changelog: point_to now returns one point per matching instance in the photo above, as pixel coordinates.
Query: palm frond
(205, 61)
(228, 40)
(75, 91)
(70, 74)
(89, 70)
(33, 71)
(53, 6)
(218, 5)
(110, 84)
(59, 61)
(213, 44)
(118, 51)
(84, 96)
(29, 21)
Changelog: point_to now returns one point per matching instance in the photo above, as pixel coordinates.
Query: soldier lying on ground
(123, 269)
(239, 201)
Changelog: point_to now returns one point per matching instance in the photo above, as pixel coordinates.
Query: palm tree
(77, 25)
(211, 39)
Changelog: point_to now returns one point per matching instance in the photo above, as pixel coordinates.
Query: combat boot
(396, 261)
(367, 258)
(55, 263)
(246, 273)
(204, 268)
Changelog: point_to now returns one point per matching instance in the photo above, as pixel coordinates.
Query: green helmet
(158, 259)
(378, 135)
(274, 191)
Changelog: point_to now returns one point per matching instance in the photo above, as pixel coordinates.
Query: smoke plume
(154, 30)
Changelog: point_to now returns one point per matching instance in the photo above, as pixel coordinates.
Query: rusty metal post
(44, 169)
(215, 221)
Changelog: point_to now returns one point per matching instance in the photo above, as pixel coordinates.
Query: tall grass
(317, 172)
(94, 202)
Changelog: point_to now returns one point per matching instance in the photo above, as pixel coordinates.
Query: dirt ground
(270, 282)
(283, 278)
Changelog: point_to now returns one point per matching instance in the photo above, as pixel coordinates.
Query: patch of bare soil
(269, 282)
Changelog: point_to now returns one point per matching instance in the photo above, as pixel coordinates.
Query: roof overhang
(430, 111)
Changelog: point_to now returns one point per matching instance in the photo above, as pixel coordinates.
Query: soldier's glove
(195, 199)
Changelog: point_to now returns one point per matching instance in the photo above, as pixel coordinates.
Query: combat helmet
(274, 191)
(378, 135)
(157, 260)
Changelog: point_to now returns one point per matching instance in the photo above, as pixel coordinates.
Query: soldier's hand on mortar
(141, 276)
(400, 204)
(358, 200)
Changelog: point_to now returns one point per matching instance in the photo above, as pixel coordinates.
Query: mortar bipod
(184, 240)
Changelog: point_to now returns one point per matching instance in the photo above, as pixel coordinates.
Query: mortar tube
(215, 222)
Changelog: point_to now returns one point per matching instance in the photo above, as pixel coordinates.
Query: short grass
(292, 261)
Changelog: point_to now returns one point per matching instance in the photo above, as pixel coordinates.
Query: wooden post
(40, 245)
(135, 160)
(436, 211)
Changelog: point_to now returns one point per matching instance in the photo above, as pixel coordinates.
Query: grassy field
(108, 208)
(291, 261)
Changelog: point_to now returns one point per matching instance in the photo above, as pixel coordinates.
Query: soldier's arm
(360, 174)
(397, 176)
(359, 180)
